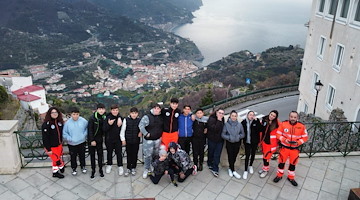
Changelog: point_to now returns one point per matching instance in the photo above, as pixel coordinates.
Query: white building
(12, 83)
(32, 97)
(332, 55)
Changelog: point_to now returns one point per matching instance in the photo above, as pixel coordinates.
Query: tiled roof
(28, 89)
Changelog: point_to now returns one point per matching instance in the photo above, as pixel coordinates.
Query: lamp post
(318, 86)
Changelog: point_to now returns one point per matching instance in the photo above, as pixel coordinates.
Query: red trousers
(268, 150)
(57, 162)
(169, 137)
(284, 154)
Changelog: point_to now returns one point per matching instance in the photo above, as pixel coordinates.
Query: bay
(223, 27)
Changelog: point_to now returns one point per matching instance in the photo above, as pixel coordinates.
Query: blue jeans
(214, 153)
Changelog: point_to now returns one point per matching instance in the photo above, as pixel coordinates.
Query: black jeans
(198, 146)
(100, 155)
(110, 147)
(156, 178)
(132, 155)
(174, 170)
(77, 150)
(232, 151)
(185, 143)
(250, 150)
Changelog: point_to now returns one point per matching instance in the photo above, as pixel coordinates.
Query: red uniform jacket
(292, 136)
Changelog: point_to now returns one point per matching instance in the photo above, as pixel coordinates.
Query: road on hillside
(284, 105)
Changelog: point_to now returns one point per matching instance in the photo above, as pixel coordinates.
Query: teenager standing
(215, 142)
(252, 129)
(130, 137)
(112, 127)
(95, 138)
(232, 133)
(52, 139)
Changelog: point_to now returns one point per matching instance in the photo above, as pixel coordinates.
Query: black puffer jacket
(95, 128)
(170, 117)
(52, 134)
(214, 129)
(132, 130)
(160, 166)
(255, 129)
(112, 132)
(199, 126)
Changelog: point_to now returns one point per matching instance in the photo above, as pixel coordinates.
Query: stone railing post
(9, 150)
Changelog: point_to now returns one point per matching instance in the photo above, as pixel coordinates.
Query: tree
(207, 99)
(4, 97)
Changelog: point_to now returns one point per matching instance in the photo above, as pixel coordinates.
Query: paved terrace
(318, 177)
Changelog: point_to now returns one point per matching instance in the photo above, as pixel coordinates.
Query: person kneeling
(161, 167)
(180, 162)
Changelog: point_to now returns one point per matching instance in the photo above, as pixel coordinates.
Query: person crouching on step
(180, 162)
(161, 167)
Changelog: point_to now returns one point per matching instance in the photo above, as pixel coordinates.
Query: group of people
(270, 134)
(167, 136)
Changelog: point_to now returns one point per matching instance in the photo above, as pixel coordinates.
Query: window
(306, 108)
(330, 96)
(315, 79)
(321, 5)
(321, 48)
(357, 12)
(332, 8)
(338, 56)
(344, 8)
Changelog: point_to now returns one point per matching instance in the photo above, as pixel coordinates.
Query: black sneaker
(92, 175)
(174, 183)
(62, 170)
(101, 173)
(200, 168)
(292, 181)
(277, 179)
(58, 175)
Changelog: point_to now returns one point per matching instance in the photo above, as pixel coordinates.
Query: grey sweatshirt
(233, 131)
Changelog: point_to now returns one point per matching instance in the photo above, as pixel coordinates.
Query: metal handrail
(343, 137)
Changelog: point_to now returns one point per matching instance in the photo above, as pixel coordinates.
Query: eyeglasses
(221, 113)
(54, 112)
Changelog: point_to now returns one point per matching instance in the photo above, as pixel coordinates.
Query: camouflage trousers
(150, 149)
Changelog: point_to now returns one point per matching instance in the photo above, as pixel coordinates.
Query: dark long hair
(274, 124)
(48, 115)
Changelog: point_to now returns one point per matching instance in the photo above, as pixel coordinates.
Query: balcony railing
(341, 137)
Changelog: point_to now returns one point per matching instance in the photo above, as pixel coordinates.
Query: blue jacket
(185, 126)
(75, 132)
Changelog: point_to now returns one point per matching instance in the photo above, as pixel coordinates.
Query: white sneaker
(121, 171)
(236, 175)
(261, 171)
(127, 172)
(74, 172)
(263, 174)
(251, 170)
(108, 169)
(230, 173)
(245, 175)
(133, 171)
(145, 174)
(84, 170)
